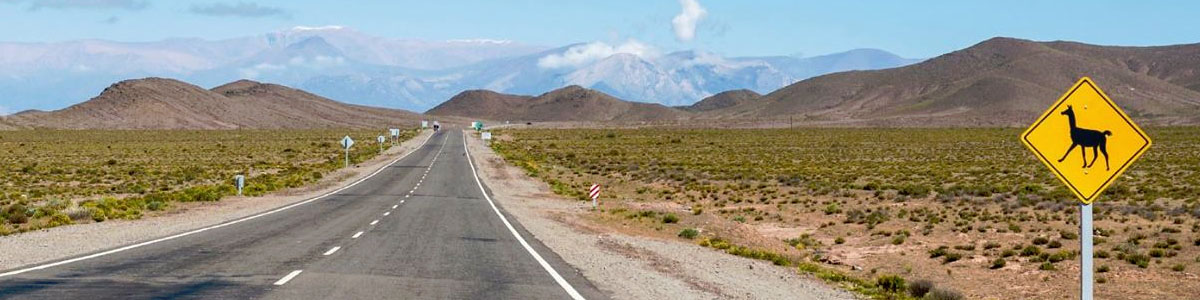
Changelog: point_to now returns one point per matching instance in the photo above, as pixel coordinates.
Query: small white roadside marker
(289, 277)
(386, 213)
(332, 250)
(356, 235)
(374, 222)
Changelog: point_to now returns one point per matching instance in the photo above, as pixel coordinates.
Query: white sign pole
(1085, 251)
(346, 143)
(240, 182)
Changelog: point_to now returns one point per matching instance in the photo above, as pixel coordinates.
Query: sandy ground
(35, 247)
(633, 267)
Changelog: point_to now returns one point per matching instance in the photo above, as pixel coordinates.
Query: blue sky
(734, 28)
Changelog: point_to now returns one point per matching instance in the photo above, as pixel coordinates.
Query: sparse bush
(1102, 269)
(890, 283)
(920, 288)
(943, 294)
(998, 263)
(670, 218)
(951, 257)
(689, 233)
(939, 252)
(1031, 250)
(1047, 266)
(839, 240)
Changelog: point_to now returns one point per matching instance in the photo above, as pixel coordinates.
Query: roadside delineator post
(594, 193)
(239, 181)
(346, 143)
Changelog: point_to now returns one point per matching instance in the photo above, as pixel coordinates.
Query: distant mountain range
(998, 82)
(344, 64)
(158, 103)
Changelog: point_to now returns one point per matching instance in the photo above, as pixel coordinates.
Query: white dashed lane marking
(332, 250)
(386, 213)
(288, 277)
(356, 235)
(395, 206)
(374, 222)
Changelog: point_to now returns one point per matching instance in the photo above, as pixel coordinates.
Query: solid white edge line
(179, 235)
(356, 235)
(545, 265)
(289, 277)
(332, 250)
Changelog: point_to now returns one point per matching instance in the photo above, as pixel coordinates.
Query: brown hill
(722, 100)
(998, 82)
(158, 103)
(572, 103)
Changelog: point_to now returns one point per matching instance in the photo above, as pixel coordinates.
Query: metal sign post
(1085, 251)
(381, 139)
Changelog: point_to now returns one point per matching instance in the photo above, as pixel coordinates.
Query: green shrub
(939, 251)
(943, 294)
(890, 283)
(689, 233)
(59, 219)
(1031, 250)
(1141, 260)
(1102, 269)
(998, 263)
(951, 257)
(1047, 266)
(839, 240)
(1040, 240)
(670, 218)
(920, 288)
(1177, 268)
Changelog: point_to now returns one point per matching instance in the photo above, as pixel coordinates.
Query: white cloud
(240, 9)
(590, 52)
(685, 22)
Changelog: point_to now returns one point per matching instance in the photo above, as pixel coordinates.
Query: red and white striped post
(594, 193)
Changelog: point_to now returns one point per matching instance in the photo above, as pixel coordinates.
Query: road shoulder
(632, 267)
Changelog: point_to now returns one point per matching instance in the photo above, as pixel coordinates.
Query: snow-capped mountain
(347, 65)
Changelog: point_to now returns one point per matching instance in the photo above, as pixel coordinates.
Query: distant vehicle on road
(436, 126)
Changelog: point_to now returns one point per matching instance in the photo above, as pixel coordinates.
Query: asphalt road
(421, 228)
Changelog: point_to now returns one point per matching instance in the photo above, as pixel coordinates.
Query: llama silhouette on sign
(1085, 138)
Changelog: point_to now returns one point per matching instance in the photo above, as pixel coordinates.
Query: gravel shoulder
(56, 243)
(633, 267)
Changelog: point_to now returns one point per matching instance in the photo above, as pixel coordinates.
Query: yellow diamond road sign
(1086, 140)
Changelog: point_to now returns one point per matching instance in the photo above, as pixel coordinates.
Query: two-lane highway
(423, 227)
